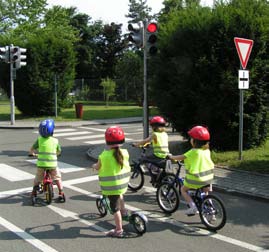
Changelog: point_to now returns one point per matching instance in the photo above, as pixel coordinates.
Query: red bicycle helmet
(114, 135)
(199, 133)
(157, 121)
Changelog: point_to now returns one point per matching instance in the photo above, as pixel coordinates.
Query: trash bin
(79, 110)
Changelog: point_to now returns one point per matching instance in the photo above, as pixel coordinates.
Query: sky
(109, 10)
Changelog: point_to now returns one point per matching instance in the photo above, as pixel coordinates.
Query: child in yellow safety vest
(198, 165)
(48, 149)
(159, 141)
(114, 174)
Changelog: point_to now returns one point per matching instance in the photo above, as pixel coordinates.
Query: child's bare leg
(123, 210)
(185, 195)
(118, 221)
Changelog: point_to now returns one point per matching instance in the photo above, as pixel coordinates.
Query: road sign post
(243, 47)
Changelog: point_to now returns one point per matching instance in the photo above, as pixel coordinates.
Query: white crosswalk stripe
(64, 167)
(85, 137)
(89, 133)
(71, 133)
(13, 174)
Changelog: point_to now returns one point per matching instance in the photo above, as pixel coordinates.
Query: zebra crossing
(13, 174)
(92, 135)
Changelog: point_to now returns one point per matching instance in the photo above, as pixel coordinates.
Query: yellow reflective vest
(114, 179)
(160, 148)
(47, 152)
(199, 168)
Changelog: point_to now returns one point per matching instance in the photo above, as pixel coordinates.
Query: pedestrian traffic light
(19, 63)
(4, 54)
(136, 35)
(151, 38)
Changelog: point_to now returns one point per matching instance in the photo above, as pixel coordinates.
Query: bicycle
(210, 207)
(45, 187)
(138, 220)
(158, 171)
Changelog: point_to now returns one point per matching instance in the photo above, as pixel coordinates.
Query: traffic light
(19, 63)
(14, 53)
(136, 35)
(4, 54)
(151, 38)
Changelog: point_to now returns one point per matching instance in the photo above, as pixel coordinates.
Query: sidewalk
(228, 180)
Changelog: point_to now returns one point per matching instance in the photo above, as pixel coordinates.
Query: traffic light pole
(145, 102)
(12, 98)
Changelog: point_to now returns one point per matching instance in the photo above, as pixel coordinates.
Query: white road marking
(86, 137)
(64, 167)
(223, 238)
(94, 129)
(100, 130)
(102, 141)
(68, 214)
(13, 174)
(26, 236)
(69, 184)
(71, 133)
(59, 130)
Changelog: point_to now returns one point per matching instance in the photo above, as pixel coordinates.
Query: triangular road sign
(243, 47)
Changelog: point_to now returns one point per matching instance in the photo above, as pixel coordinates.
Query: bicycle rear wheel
(168, 197)
(137, 178)
(48, 192)
(213, 213)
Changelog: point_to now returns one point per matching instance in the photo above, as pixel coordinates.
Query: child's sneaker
(191, 211)
(61, 197)
(115, 233)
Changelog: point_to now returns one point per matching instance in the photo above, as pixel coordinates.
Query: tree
(198, 66)
(130, 76)
(138, 11)
(109, 87)
(109, 47)
(14, 13)
(50, 53)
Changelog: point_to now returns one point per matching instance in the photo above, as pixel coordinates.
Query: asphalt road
(76, 224)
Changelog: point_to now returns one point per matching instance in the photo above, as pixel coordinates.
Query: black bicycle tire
(141, 174)
(48, 190)
(159, 198)
(101, 207)
(140, 231)
(224, 214)
(169, 174)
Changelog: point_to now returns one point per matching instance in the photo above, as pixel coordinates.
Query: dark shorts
(114, 203)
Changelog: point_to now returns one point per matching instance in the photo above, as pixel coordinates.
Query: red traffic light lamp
(152, 27)
(151, 38)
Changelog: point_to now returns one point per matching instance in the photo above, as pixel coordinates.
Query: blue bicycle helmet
(46, 128)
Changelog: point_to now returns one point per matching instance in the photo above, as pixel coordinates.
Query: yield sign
(243, 47)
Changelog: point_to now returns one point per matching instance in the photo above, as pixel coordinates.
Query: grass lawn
(253, 160)
(91, 111)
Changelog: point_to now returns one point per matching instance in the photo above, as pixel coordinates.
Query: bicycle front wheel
(168, 197)
(213, 213)
(101, 207)
(137, 178)
(139, 223)
(48, 193)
